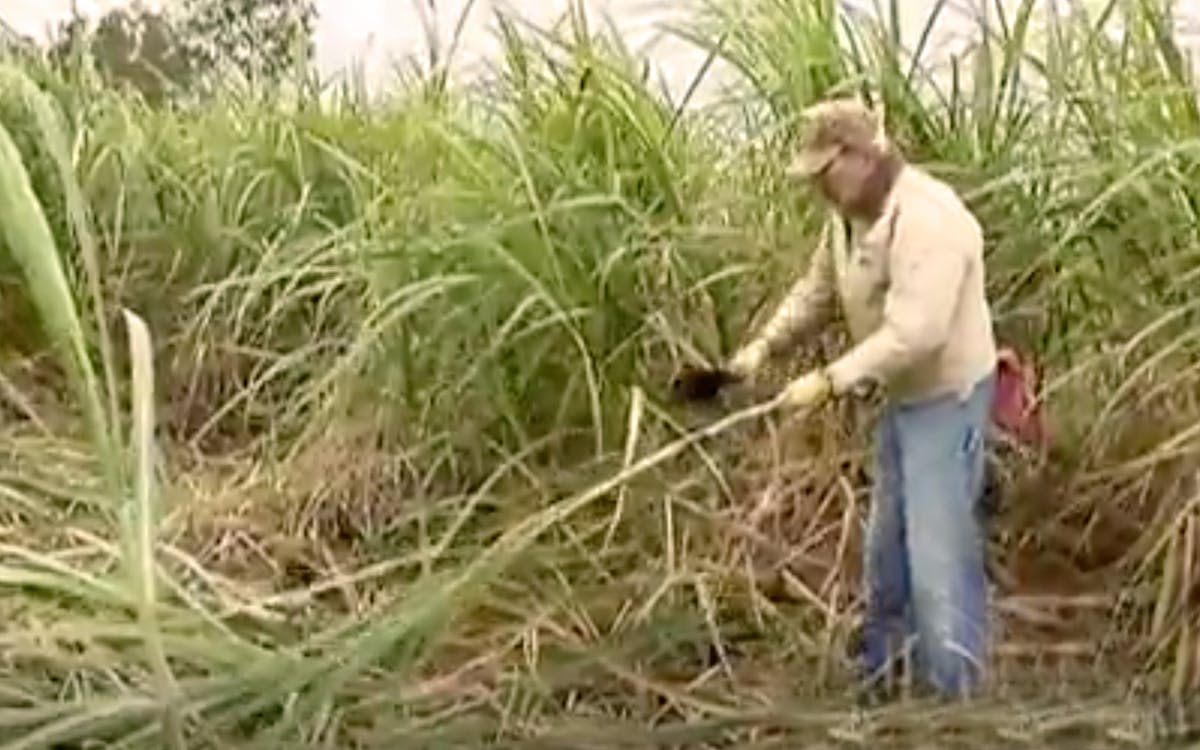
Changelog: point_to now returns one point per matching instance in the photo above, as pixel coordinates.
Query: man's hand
(749, 359)
(807, 391)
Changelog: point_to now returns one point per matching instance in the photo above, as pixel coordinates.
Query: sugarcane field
(842, 391)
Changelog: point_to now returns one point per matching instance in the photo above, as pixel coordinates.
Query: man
(904, 256)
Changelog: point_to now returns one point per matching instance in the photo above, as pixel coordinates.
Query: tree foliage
(198, 41)
(131, 46)
(261, 39)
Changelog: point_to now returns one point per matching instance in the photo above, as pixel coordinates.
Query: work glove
(807, 391)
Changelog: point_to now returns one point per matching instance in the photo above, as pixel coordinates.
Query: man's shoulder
(919, 184)
(929, 199)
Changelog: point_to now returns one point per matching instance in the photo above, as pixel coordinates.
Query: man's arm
(807, 305)
(927, 268)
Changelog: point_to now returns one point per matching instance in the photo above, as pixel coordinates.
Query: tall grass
(400, 470)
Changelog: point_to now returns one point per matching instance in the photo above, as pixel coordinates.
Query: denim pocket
(972, 442)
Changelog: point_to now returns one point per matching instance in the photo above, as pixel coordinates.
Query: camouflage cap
(830, 126)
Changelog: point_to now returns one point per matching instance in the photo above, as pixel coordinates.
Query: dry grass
(415, 481)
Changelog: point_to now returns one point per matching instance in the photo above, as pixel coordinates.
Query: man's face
(846, 180)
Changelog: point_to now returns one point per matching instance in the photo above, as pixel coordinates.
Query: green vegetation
(330, 425)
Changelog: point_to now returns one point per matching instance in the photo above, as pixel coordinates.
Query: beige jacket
(911, 288)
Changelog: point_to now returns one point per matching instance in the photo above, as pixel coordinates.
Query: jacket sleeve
(927, 264)
(808, 305)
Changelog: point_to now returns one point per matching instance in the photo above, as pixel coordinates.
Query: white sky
(372, 33)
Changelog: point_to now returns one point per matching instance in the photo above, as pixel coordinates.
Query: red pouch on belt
(1015, 408)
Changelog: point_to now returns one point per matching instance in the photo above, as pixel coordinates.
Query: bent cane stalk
(141, 530)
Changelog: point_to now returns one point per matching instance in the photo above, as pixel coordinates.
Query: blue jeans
(924, 542)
